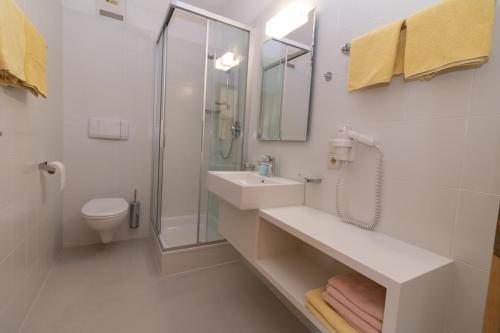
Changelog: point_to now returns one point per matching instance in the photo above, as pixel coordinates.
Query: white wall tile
(482, 155)
(445, 96)
(30, 205)
(428, 151)
(475, 229)
(420, 214)
(385, 103)
(112, 66)
(485, 97)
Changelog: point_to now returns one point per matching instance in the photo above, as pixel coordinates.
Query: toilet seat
(105, 208)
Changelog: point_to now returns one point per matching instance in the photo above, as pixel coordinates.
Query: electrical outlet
(333, 164)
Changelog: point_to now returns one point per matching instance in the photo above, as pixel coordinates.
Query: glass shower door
(225, 96)
(185, 63)
(199, 117)
(155, 209)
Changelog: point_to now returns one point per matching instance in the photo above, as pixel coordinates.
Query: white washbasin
(248, 190)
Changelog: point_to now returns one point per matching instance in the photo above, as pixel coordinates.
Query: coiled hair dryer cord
(379, 173)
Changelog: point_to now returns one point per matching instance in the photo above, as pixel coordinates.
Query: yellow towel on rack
(22, 51)
(376, 57)
(12, 43)
(449, 35)
(314, 298)
(320, 318)
(35, 61)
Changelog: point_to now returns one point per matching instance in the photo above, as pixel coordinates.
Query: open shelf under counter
(416, 280)
(293, 274)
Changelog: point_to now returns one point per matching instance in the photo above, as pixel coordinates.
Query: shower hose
(225, 157)
(378, 196)
(228, 154)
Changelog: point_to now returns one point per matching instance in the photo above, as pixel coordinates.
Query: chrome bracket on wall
(44, 166)
(346, 49)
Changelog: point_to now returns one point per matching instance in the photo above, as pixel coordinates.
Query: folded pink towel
(368, 296)
(338, 296)
(355, 321)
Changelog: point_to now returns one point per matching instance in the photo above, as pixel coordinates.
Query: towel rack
(346, 49)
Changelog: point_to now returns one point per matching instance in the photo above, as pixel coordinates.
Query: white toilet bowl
(105, 216)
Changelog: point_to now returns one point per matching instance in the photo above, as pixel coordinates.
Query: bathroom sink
(249, 190)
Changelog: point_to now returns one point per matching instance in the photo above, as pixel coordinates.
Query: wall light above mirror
(287, 67)
(289, 19)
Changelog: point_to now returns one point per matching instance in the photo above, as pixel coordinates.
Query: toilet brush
(135, 209)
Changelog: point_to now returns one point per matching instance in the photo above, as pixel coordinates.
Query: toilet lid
(104, 207)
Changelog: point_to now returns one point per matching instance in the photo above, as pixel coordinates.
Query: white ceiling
(149, 14)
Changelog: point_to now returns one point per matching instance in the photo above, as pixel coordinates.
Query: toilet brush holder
(135, 211)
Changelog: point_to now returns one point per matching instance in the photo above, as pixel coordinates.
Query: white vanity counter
(376, 255)
(416, 280)
(297, 248)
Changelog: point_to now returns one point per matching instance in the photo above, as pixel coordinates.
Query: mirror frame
(301, 46)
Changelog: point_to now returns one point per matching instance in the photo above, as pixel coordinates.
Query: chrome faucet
(270, 161)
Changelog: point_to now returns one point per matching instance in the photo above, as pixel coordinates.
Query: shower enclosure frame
(173, 6)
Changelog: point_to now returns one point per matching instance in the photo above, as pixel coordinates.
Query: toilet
(105, 215)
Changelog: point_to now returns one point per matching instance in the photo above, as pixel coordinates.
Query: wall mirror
(287, 67)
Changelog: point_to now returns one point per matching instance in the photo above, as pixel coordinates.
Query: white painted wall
(108, 73)
(30, 203)
(441, 141)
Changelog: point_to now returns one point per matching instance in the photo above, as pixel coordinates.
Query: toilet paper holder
(44, 166)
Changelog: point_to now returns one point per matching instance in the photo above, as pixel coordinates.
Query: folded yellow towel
(12, 43)
(314, 298)
(35, 61)
(22, 51)
(451, 34)
(374, 57)
(320, 318)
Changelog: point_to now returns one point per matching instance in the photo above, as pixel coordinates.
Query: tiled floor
(110, 289)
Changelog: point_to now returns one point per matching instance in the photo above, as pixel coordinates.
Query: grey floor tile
(116, 288)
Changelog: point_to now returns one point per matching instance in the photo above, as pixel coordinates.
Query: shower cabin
(200, 98)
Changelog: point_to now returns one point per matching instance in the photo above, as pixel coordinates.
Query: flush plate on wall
(108, 129)
(114, 9)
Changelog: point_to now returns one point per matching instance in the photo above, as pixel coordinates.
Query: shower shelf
(416, 279)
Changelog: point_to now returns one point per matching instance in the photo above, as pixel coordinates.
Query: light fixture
(227, 61)
(286, 21)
